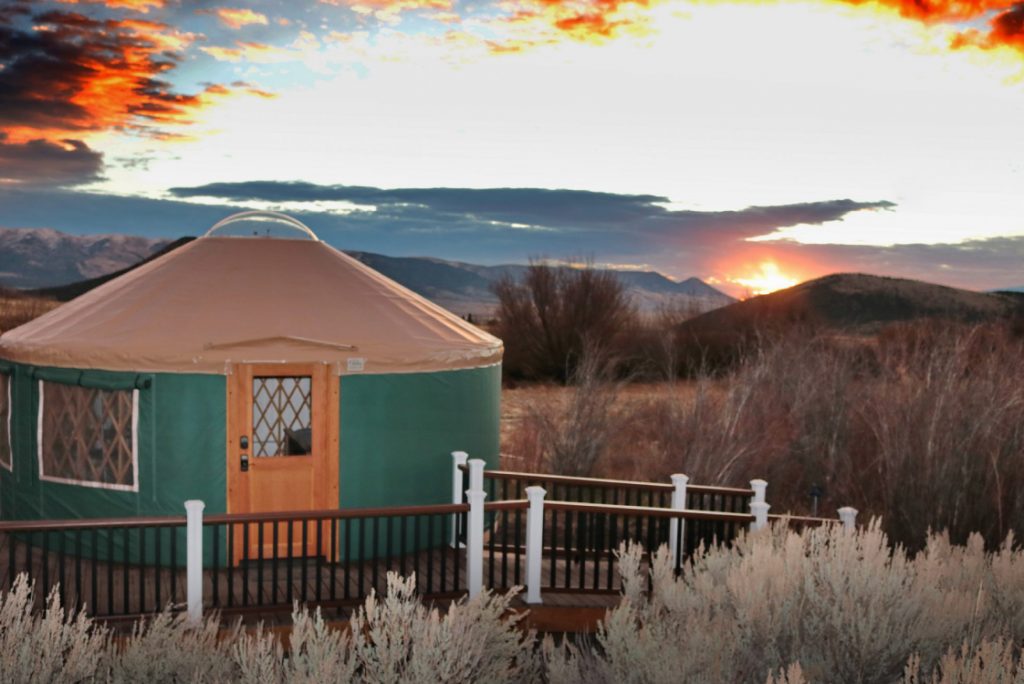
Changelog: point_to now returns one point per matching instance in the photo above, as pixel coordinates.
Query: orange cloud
(1006, 19)
(72, 75)
(134, 5)
(236, 18)
(532, 23)
(539, 22)
(245, 51)
(941, 10)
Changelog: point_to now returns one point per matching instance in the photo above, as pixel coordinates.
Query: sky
(751, 144)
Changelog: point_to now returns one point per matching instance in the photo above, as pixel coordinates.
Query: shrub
(549, 318)
(573, 439)
(822, 605)
(53, 647)
(394, 639)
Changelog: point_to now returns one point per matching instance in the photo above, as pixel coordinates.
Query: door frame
(326, 393)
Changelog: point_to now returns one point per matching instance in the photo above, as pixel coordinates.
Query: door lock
(244, 442)
(245, 463)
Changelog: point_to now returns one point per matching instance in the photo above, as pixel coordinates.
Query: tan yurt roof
(222, 300)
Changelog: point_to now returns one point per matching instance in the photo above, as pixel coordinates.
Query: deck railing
(505, 529)
(113, 566)
(502, 485)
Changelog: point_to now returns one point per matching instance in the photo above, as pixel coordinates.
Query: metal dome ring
(285, 219)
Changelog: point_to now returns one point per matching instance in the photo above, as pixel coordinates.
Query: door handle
(245, 463)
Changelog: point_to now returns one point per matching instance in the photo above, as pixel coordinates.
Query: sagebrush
(782, 606)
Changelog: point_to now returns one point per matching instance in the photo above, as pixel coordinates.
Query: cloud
(135, 5)
(237, 17)
(572, 210)
(1006, 29)
(72, 75)
(41, 162)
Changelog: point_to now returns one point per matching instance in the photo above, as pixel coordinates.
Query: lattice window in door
(87, 436)
(282, 409)
(5, 422)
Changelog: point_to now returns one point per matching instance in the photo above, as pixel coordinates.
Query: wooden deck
(265, 591)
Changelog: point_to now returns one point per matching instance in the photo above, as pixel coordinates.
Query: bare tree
(549, 317)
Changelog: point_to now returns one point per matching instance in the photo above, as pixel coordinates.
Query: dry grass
(923, 425)
(17, 309)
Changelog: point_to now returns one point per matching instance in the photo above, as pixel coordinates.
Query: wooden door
(282, 452)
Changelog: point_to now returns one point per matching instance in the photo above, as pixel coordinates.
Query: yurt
(256, 373)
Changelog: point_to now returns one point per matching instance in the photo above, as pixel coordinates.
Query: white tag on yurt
(355, 365)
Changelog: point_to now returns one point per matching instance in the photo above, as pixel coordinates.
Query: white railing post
(194, 559)
(475, 528)
(677, 526)
(459, 459)
(759, 487)
(534, 542)
(759, 509)
(848, 515)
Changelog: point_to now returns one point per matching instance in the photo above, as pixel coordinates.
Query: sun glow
(768, 278)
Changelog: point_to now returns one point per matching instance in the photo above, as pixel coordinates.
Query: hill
(851, 302)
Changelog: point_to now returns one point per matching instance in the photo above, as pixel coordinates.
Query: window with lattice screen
(281, 416)
(5, 422)
(87, 436)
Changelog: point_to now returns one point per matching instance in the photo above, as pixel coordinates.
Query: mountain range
(63, 266)
(31, 258)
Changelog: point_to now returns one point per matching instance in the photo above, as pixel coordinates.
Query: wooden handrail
(803, 518)
(336, 514)
(509, 505)
(90, 524)
(609, 483)
(685, 514)
(227, 518)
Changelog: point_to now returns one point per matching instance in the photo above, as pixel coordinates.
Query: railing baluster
(319, 559)
(362, 554)
(431, 545)
(141, 569)
(231, 564)
(110, 571)
(348, 557)
(333, 561)
(46, 563)
(304, 557)
(245, 564)
(374, 550)
(389, 543)
(444, 563)
(259, 564)
(291, 559)
(518, 541)
(570, 543)
(613, 544)
(274, 539)
(78, 567)
(215, 553)
(60, 571)
(158, 534)
(553, 555)
(404, 533)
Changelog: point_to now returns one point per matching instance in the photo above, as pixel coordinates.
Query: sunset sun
(767, 278)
